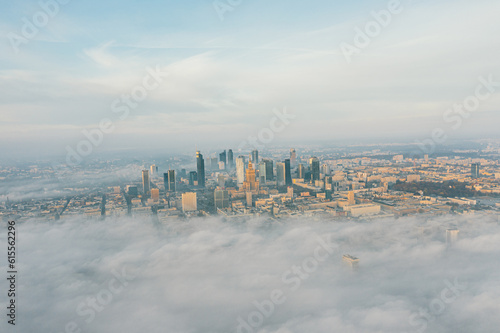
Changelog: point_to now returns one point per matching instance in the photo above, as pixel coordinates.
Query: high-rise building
(189, 202)
(146, 185)
(451, 235)
(288, 173)
(251, 184)
(200, 166)
(301, 171)
(155, 194)
(132, 190)
(474, 170)
(269, 169)
(314, 165)
(293, 156)
(230, 160)
(240, 169)
(255, 157)
(280, 174)
(170, 186)
(223, 157)
(153, 170)
(325, 169)
(262, 172)
(193, 177)
(221, 199)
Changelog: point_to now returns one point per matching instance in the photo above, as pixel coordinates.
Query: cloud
(201, 275)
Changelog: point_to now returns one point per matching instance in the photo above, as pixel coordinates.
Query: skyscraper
(200, 166)
(255, 156)
(193, 176)
(288, 173)
(223, 158)
(153, 170)
(171, 181)
(262, 172)
(189, 202)
(314, 165)
(474, 170)
(280, 174)
(251, 184)
(240, 169)
(269, 169)
(293, 156)
(230, 161)
(145, 182)
(301, 171)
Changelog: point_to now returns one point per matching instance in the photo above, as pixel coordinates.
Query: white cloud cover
(201, 275)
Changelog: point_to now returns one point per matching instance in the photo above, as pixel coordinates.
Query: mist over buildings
(204, 275)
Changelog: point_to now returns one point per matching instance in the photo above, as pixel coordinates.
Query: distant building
(146, 184)
(262, 172)
(153, 170)
(230, 160)
(413, 178)
(288, 173)
(351, 261)
(189, 202)
(240, 169)
(221, 199)
(451, 235)
(314, 165)
(280, 174)
(301, 171)
(155, 194)
(193, 177)
(200, 165)
(350, 198)
(269, 169)
(474, 170)
(293, 156)
(255, 156)
(169, 181)
(223, 158)
(132, 190)
(251, 184)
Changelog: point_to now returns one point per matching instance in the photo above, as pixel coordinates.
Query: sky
(225, 69)
(126, 275)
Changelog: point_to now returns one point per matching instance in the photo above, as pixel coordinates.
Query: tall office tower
(132, 190)
(474, 170)
(230, 160)
(350, 198)
(269, 169)
(221, 199)
(314, 165)
(251, 184)
(223, 157)
(325, 169)
(255, 156)
(262, 172)
(214, 163)
(155, 194)
(171, 181)
(451, 235)
(280, 174)
(301, 171)
(189, 202)
(165, 180)
(193, 176)
(153, 170)
(200, 167)
(293, 156)
(240, 169)
(288, 173)
(146, 185)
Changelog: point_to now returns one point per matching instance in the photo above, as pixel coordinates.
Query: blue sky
(227, 76)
